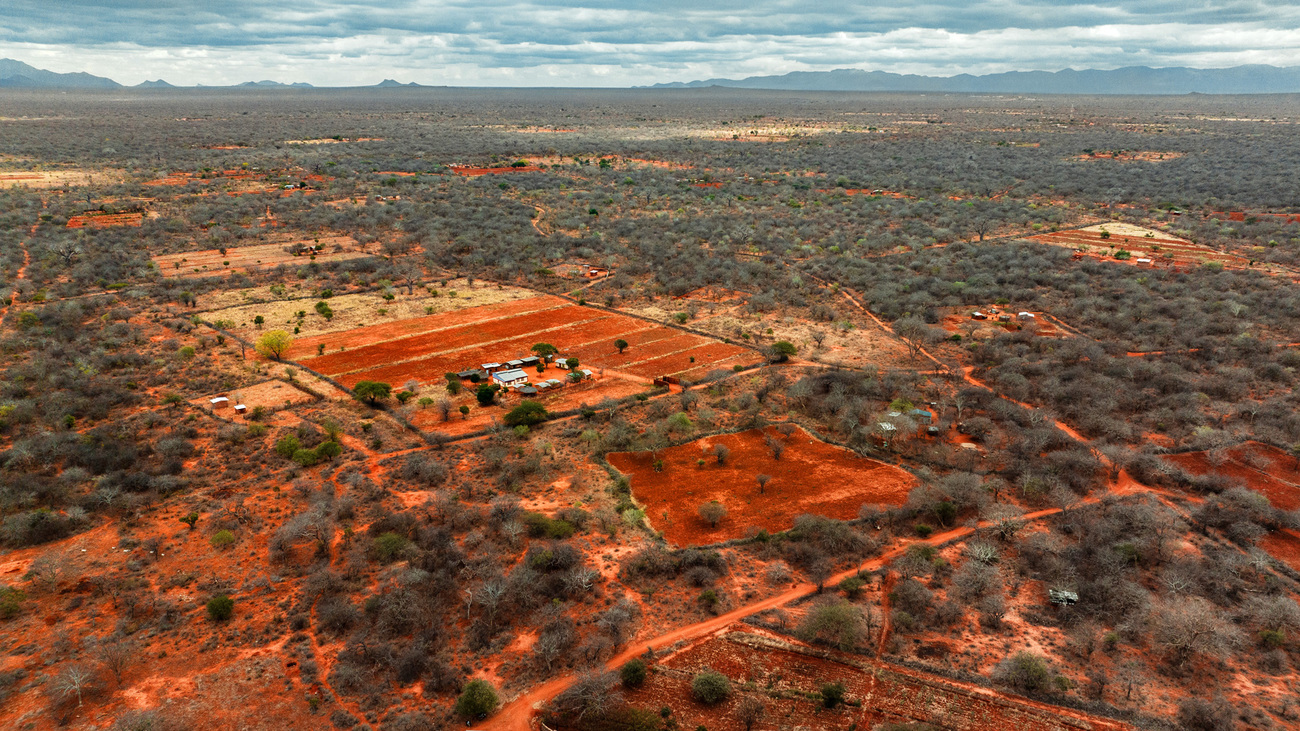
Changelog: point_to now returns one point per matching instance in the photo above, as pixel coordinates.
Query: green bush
(477, 700)
(852, 587)
(1025, 672)
(633, 673)
(11, 601)
(832, 694)
(710, 686)
(222, 538)
(388, 546)
(923, 530)
(528, 413)
(221, 607)
(540, 526)
(286, 445)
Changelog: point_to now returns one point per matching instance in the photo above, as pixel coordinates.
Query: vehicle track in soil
(22, 270)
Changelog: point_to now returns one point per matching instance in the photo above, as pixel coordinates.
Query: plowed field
(810, 477)
(425, 348)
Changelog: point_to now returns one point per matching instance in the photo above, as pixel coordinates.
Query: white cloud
(629, 42)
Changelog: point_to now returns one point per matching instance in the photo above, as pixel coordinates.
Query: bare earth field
(350, 310)
(212, 262)
(270, 395)
(1161, 248)
(426, 348)
(46, 179)
(810, 477)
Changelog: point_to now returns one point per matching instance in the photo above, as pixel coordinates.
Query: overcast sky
(628, 42)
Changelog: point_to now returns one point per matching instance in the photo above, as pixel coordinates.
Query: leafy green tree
(274, 344)
(487, 394)
(372, 391)
(528, 413)
(571, 363)
(259, 321)
(190, 520)
(464, 412)
(477, 700)
(621, 344)
(545, 351)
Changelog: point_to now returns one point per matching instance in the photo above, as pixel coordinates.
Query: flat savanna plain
(426, 348)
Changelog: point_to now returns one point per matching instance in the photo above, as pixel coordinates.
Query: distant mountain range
(20, 75)
(1258, 79)
(16, 74)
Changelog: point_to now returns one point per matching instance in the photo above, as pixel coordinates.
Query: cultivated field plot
(1260, 467)
(1131, 155)
(350, 310)
(860, 346)
(473, 172)
(106, 220)
(269, 395)
(811, 476)
(426, 348)
(212, 262)
(44, 179)
(1142, 243)
(787, 675)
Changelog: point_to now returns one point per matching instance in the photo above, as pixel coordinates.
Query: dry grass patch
(350, 310)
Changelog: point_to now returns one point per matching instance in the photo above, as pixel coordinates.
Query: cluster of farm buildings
(511, 375)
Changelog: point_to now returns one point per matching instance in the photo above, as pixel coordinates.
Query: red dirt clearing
(106, 220)
(1260, 467)
(472, 172)
(811, 477)
(212, 262)
(360, 337)
(790, 675)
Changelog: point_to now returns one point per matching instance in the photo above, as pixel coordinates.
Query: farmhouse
(489, 367)
(510, 377)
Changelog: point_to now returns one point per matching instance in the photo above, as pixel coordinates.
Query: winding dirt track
(27, 260)
(517, 714)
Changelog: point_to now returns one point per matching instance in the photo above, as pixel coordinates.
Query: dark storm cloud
(634, 42)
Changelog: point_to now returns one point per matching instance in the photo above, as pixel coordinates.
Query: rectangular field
(426, 348)
(770, 667)
(1162, 249)
(810, 476)
(212, 262)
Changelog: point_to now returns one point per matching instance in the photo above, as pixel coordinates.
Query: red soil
(471, 172)
(1241, 215)
(1284, 545)
(1260, 467)
(418, 325)
(811, 477)
(95, 219)
(790, 675)
(708, 185)
(260, 256)
(426, 348)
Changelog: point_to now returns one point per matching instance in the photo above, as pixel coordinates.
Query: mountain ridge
(1250, 79)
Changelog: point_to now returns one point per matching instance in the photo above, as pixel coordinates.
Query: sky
(623, 43)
